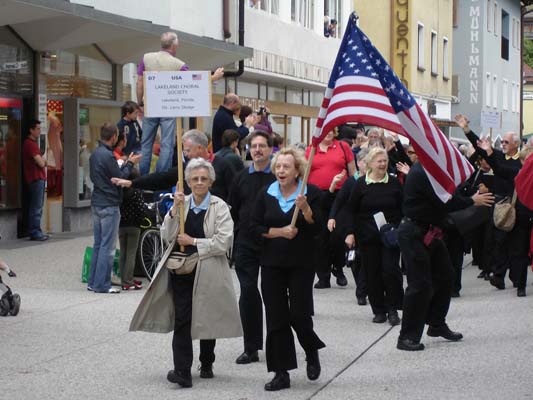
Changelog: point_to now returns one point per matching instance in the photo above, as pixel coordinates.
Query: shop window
(16, 65)
(295, 96)
(81, 72)
(129, 82)
(276, 93)
(10, 144)
(91, 118)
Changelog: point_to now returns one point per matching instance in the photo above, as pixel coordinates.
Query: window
(270, 6)
(421, 47)
(16, 65)
(294, 96)
(518, 33)
(276, 93)
(302, 12)
(505, 94)
(81, 72)
(455, 12)
(10, 154)
(505, 35)
(445, 59)
(488, 84)
(247, 89)
(494, 91)
(332, 10)
(495, 19)
(434, 56)
(489, 16)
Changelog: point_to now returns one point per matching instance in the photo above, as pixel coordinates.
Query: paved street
(68, 343)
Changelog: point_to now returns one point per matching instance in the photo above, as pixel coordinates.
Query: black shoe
(482, 274)
(361, 301)
(521, 292)
(409, 345)
(313, 365)
(15, 304)
(247, 358)
(515, 285)
(487, 276)
(341, 278)
(393, 318)
(182, 378)
(281, 380)
(444, 332)
(322, 284)
(206, 371)
(40, 238)
(379, 318)
(455, 293)
(497, 282)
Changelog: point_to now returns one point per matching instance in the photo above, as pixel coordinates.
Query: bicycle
(151, 244)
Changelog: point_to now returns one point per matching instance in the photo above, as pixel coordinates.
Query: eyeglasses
(505, 142)
(199, 179)
(258, 146)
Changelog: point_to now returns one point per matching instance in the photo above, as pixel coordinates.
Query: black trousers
(455, 245)
(287, 293)
(330, 245)
(182, 286)
(429, 281)
(511, 252)
(383, 277)
(359, 274)
(250, 302)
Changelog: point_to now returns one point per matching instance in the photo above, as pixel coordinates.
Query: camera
(262, 111)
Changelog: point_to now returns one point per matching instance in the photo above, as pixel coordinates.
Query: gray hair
(197, 163)
(168, 39)
(362, 154)
(196, 137)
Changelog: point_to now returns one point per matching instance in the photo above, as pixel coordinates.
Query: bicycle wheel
(150, 251)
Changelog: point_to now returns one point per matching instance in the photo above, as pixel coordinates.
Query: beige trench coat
(215, 313)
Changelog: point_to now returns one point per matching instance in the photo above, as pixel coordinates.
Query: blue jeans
(105, 225)
(168, 143)
(35, 211)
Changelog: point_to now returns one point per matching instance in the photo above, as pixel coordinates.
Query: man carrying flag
(364, 88)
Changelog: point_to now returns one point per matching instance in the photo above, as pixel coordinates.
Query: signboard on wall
(490, 119)
(400, 51)
(172, 94)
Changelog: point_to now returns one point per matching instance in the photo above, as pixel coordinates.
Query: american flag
(196, 77)
(364, 88)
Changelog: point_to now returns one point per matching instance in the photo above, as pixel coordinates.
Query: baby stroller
(9, 302)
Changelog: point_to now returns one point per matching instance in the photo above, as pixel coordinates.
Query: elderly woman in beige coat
(202, 304)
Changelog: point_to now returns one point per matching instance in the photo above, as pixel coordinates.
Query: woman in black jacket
(378, 192)
(287, 266)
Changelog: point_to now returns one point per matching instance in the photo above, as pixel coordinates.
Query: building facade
(73, 63)
(69, 64)
(415, 37)
(486, 65)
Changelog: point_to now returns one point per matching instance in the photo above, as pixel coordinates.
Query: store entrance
(53, 209)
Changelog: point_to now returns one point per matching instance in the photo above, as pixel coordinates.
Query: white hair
(197, 163)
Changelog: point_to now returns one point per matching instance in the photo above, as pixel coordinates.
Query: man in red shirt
(34, 167)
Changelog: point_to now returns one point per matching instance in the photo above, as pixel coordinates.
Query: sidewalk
(68, 343)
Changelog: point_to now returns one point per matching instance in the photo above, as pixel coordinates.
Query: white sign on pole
(172, 94)
(490, 119)
(43, 102)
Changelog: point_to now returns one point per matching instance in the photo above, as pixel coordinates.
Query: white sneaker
(113, 290)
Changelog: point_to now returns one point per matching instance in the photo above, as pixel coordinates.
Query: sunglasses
(505, 142)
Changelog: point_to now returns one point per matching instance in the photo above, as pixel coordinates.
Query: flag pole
(304, 183)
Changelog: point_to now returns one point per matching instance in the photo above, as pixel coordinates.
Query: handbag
(181, 263)
(504, 215)
(389, 236)
(467, 219)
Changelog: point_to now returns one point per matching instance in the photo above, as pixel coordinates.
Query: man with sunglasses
(509, 248)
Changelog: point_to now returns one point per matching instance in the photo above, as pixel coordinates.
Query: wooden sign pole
(179, 147)
(304, 183)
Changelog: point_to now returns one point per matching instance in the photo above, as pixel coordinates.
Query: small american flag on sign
(364, 88)
(196, 77)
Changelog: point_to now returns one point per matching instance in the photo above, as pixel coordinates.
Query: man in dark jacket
(223, 120)
(242, 199)
(105, 203)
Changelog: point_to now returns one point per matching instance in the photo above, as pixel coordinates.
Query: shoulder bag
(504, 216)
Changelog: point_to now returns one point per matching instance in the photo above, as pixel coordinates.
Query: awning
(48, 25)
